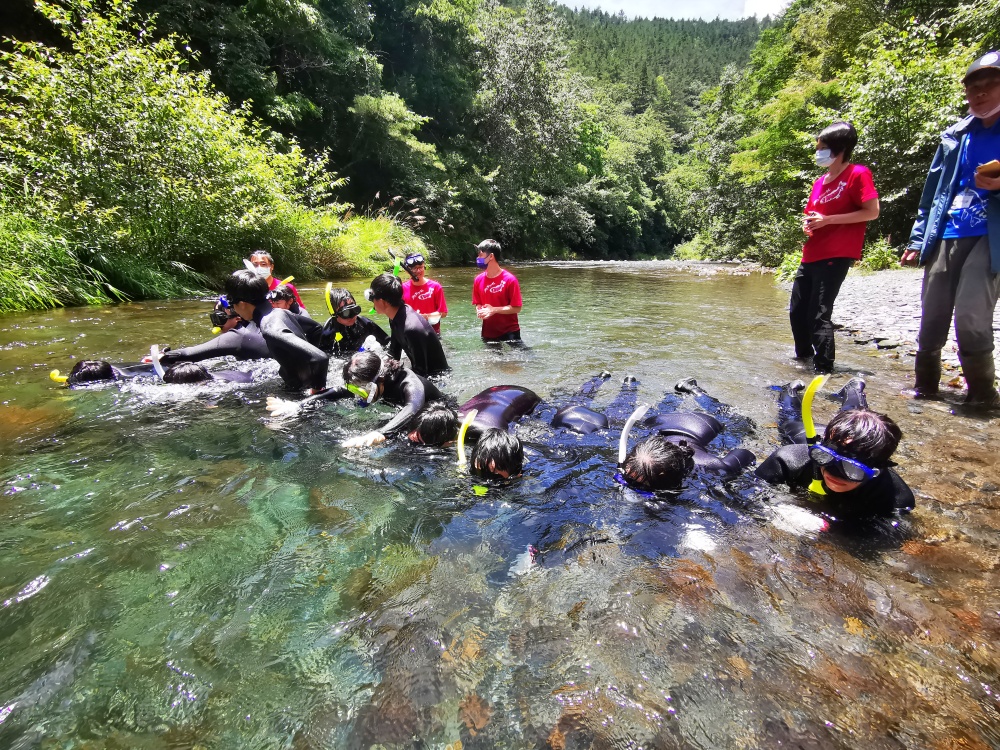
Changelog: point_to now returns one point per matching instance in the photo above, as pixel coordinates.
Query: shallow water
(176, 572)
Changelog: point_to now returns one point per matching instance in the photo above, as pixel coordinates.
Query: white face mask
(263, 271)
(824, 158)
(984, 115)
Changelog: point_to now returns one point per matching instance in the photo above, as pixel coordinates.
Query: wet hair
(246, 286)
(868, 436)
(388, 288)
(437, 424)
(339, 297)
(282, 293)
(90, 371)
(186, 372)
(365, 367)
(489, 247)
(500, 449)
(658, 464)
(840, 138)
(263, 254)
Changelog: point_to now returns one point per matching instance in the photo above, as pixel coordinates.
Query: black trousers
(810, 309)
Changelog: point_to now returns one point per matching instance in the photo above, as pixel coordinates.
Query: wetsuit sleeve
(902, 495)
(916, 241)
(225, 344)
(374, 329)
(302, 363)
(414, 398)
(789, 465)
(330, 394)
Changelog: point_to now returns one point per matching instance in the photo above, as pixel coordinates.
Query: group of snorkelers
(848, 466)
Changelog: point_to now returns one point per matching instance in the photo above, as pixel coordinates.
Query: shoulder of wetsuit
(702, 428)
(133, 370)
(233, 376)
(580, 419)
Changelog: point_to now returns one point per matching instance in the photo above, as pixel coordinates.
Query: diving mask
(848, 468)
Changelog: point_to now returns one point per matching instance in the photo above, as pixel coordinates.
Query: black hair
(90, 371)
(658, 464)
(840, 138)
(497, 450)
(388, 288)
(186, 372)
(437, 424)
(246, 286)
(282, 293)
(264, 254)
(365, 367)
(864, 435)
(339, 297)
(490, 247)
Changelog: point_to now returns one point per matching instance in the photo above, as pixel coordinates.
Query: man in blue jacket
(956, 237)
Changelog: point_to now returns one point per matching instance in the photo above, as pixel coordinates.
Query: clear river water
(178, 572)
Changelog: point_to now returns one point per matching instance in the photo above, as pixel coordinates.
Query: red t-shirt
(426, 298)
(845, 194)
(499, 291)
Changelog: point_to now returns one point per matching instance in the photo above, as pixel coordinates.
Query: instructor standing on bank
(956, 237)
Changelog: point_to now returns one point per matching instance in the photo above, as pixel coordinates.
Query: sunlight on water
(177, 572)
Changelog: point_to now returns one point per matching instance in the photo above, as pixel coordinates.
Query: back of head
(864, 435)
(658, 464)
(490, 247)
(246, 286)
(436, 425)
(186, 372)
(388, 288)
(840, 138)
(282, 293)
(497, 454)
(90, 371)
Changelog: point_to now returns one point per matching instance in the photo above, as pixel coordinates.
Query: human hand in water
(282, 408)
(484, 311)
(364, 441)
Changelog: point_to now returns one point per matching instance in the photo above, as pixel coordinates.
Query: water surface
(176, 572)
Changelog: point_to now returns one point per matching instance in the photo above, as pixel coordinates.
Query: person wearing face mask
(496, 294)
(263, 265)
(841, 203)
(956, 238)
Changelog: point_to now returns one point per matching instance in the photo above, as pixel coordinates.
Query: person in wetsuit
(849, 471)
(238, 339)
(98, 371)
(409, 330)
(192, 372)
(496, 408)
(283, 298)
(346, 330)
(292, 340)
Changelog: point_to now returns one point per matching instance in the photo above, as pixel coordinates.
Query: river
(176, 571)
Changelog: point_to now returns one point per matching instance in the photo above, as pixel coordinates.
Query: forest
(147, 145)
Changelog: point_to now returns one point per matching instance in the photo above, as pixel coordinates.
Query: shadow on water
(176, 572)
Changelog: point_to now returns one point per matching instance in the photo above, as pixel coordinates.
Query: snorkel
(154, 353)
(58, 377)
(812, 438)
(366, 396)
(638, 414)
(466, 423)
(329, 304)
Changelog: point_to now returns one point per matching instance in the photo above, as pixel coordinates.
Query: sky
(706, 9)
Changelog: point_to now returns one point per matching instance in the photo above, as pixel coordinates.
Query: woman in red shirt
(841, 203)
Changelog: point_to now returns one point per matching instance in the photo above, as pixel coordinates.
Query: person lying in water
(496, 407)
(237, 338)
(850, 470)
(90, 371)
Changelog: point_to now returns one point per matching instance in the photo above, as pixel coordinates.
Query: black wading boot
(927, 372)
(980, 376)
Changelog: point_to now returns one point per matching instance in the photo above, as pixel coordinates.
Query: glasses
(852, 470)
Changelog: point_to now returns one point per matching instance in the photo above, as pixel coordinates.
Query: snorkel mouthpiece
(58, 377)
(812, 438)
(638, 414)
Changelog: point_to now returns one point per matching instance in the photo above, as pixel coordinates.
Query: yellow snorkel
(810, 426)
(289, 280)
(58, 377)
(466, 423)
(329, 304)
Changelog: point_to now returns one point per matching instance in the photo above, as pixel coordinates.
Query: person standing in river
(263, 264)
(496, 294)
(422, 294)
(956, 237)
(841, 203)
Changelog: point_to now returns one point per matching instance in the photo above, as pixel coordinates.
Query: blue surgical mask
(481, 262)
(824, 158)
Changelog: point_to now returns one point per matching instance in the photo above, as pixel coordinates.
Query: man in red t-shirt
(841, 203)
(496, 295)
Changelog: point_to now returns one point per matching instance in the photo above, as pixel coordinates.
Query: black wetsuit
(881, 496)
(411, 333)
(498, 406)
(352, 337)
(401, 388)
(293, 341)
(242, 342)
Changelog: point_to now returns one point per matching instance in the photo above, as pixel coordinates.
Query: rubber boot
(852, 395)
(927, 375)
(980, 376)
(689, 385)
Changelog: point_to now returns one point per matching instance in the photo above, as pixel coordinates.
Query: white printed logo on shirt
(833, 194)
(496, 288)
(421, 294)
